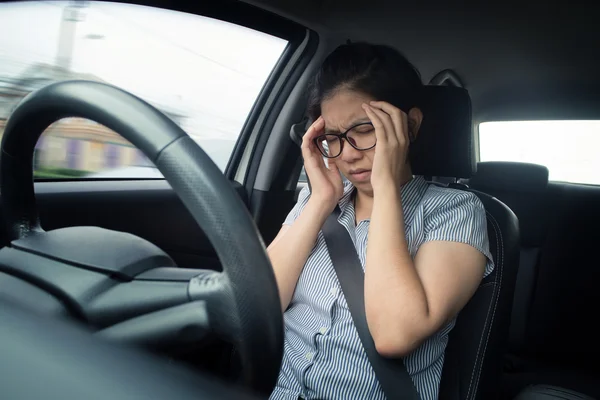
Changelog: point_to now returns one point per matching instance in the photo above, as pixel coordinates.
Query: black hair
(378, 71)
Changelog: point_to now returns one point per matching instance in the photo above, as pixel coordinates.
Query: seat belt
(391, 373)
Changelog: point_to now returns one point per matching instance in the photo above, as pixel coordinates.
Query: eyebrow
(352, 125)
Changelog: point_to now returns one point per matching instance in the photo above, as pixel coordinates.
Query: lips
(360, 174)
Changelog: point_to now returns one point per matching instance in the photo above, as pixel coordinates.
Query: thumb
(332, 166)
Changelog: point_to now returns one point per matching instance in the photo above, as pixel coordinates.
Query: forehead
(344, 109)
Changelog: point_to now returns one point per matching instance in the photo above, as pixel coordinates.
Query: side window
(302, 178)
(203, 73)
(79, 148)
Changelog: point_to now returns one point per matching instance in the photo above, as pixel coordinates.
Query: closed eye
(365, 129)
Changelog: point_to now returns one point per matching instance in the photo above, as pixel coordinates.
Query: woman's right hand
(326, 183)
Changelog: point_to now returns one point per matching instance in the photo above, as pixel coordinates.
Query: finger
(334, 175)
(332, 168)
(309, 148)
(399, 118)
(386, 119)
(315, 129)
(380, 133)
(332, 165)
(313, 158)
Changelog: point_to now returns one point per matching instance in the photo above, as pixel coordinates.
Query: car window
(203, 73)
(569, 149)
(303, 177)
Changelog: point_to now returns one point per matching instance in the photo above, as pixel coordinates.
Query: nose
(349, 153)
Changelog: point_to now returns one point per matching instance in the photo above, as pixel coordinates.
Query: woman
(427, 247)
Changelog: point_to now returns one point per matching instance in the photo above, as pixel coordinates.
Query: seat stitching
(500, 266)
(501, 258)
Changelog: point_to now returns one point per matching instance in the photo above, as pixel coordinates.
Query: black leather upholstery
(444, 145)
(510, 177)
(560, 339)
(545, 392)
(473, 364)
(552, 334)
(522, 187)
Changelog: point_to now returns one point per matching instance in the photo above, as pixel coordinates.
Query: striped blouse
(323, 355)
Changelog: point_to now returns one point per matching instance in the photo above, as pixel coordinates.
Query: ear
(415, 118)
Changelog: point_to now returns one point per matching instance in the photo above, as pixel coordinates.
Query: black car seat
(552, 332)
(524, 188)
(445, 148)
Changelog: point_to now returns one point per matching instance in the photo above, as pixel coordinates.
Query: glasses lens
(362, 137)
(329, 145)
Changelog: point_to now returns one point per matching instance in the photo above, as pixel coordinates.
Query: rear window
(569, 149)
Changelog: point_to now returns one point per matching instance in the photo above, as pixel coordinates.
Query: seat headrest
(510, 176)
(444, 146)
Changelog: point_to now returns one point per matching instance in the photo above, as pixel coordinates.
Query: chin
(363, 187)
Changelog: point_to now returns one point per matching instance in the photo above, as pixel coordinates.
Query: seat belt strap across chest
(392, 375)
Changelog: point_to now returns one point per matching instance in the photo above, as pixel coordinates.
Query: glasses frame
(341, 136)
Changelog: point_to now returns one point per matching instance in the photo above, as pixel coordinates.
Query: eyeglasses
(361, 137)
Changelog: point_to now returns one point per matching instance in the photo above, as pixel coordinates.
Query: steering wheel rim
(247, 286)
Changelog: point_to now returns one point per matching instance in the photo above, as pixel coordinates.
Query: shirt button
(334, 291)
(309, 356)
(323, 330)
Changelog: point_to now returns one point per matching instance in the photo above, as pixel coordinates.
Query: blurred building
(74, 143)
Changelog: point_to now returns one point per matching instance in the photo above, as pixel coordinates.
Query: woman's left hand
(391, 151)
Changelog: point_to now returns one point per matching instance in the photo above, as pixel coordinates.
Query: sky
(209, 70)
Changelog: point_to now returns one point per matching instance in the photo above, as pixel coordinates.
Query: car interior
(160, 287)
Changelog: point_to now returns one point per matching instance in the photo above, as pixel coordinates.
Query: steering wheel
(121, 286)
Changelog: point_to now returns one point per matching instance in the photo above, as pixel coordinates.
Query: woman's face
(341, 112)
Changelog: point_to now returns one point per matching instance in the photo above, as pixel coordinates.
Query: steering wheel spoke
(214, 290)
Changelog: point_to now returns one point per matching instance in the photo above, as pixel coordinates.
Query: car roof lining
(519, 60)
